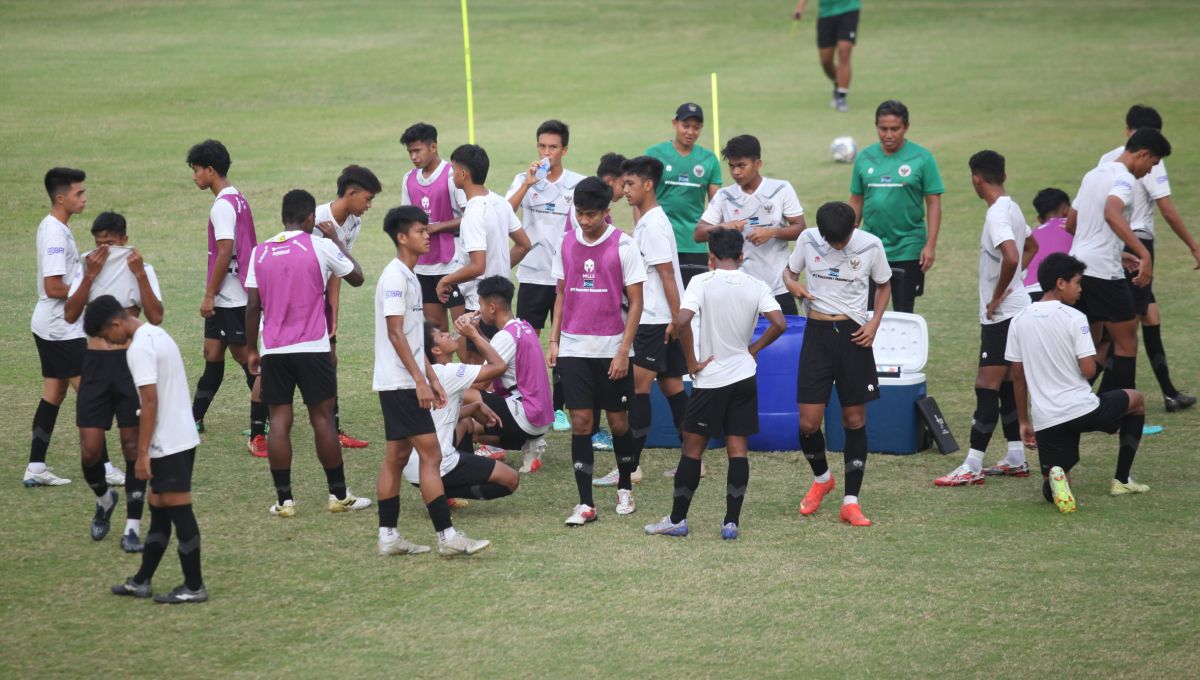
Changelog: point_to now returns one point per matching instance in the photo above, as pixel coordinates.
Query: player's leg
(787, 304)
(157, 538)
(1122, 374)
(135, 492)
(480, 478)
(857, 384)
(214, 371)
(704, 414)
(451, 542)
(91, 449)
(740, 422)
(171, 480)
(62, 365)
(844, 49)
(1014, 463)
(826, 42)
(644, 372)
(579, 397)
(616, 397)
(279, 457)
(1130, 433)
(846, 34)
(854, 422)
(813, 386)
(387, 490)
(991, 373)
(1152, 337)
(317, 380)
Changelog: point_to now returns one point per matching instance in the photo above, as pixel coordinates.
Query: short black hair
(1058, 266)
(611, 164)
(742, 146)
(592, 194)
(497, 288)
(555, 127)
(100, 312)
(835, 222)
(419, 132)
(210, 154)
(892, 108)
(358, 176)
(988, 166)
(644, 167)
(1151, 140)
(59, 180)
(474, 159)
(298, 204)
(111, 222)
(726, 244)
(1140, 116)
(1048, 200)
(400, 220)
(430, 327)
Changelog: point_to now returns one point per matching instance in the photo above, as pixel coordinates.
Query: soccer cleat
(625, 504)
(611, 478)
(841, 105)
(1148, 430)
(1060, 490)
(115, 478)
(457, 503)
(671, 472)
(602, 441)
(1122, 489)
(400, 546)
(1179, 402)
(582, 514)
(350, 502)
(665, 527)
(729, 532)
(531, 464)
(852, 514)
(200, 426)
(492, 452)
(349, 442)
(285, 509)
(183, 595)
(100, 520)
(1003, 469)
(44, 478)
(257, 446)
(531, 455)
(130, 542)
(461, 545)
(961, 476)
(561, 422)
(132, 588)
(816, 493)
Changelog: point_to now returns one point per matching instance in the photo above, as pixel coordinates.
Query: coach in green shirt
(691, 175)
(896, 191)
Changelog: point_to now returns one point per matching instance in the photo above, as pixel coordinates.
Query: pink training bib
(434, 199)
(593, 285)
(244, 239)
(1051, 238)
(292, 291)
(533, 383)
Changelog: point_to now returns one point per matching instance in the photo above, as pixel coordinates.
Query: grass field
(980, 582)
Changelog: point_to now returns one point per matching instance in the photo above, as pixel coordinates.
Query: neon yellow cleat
(1119, 489)
(1060, 490)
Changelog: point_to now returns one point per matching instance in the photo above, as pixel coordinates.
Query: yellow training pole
(716, 114)
(467, 60)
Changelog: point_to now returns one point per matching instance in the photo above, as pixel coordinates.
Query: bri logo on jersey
(393, 294)
(56, 250)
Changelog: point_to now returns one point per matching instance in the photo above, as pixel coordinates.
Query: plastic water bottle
(543, 169)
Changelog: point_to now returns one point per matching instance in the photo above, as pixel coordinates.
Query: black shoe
(130, 542)
(132, 588)
(1179, 402)
(183, 595)
(100, 520)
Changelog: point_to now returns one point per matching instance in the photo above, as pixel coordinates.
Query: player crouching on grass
(1050, 347)
(166, 445)
(841, 262)
(727, 302)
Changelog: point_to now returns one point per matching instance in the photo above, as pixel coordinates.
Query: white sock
(822, 478)
(387, 533)
(134, 525)
(849, 500)
(1016, 454)
(446, 535)
(974, 460)
(108, 500)
(36, 468)
(108, 468)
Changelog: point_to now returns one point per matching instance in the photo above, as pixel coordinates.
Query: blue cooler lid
(902, 340)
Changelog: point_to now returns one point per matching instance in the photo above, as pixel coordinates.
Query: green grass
(977, 582)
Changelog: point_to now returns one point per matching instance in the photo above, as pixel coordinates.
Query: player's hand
(695, 368)
(95, 262)
(1028, 438)
(439, 395)
(619, 368)
(329, 230)
(798, 13)
(739, 225)
(927, 256)
(493, 420)
(531, 174)
(141, 468)
(468, 325)
(669, 333)
(206, 307)
(797, 289)
(135, 263)
(253, 362)
(760, 235)
(424, 395)
(1129, 262)
(1145, 272)
(865, 335)
(443, 290)
(1196, 257)
(552, 355)
(994, 304)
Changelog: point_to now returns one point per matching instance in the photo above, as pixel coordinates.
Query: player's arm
(684, 323)
(520, 187)
(865, 335)
(792, 272)
(253, 317)
(790, 231)
(1009, 261)
(666, 272)
(1072, 220)
(555, 326)
(1114, 215)
(856, 201)
(1171, 215)
(333, 297)
(220, 269)
(77, 300)
(933, 225)
(771, 334)
(798, 13)
(470, 271)
(494, 366)
(1021, 394)
(520, 247)
(395, 333)
(448, 225)
(619, 367)
(1029, 251)
(147, 420)
(440, 398)
(152, 305)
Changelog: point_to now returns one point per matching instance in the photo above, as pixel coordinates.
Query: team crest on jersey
(768, 206)
(535, 195)
(667, 169)
(589, 273)
(905, 170)
(425, 203)
(569, 197)
(870, 171)
(855, 263)
(698, 171)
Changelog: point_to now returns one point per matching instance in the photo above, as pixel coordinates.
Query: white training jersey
(655, 240)
(1049, 338)
(458, 203)
(769, 206)
(839, 280)
(347, 231)
(154, 359)
(456, 379)
(116, 279)
(224, 221)
(506, 346)
(1096, 244)
(1003, 222)
(633, 270)
(57, 255)
(543, 212)
(727, 304)
(1146, 192)
(486, 224)
(398, 293)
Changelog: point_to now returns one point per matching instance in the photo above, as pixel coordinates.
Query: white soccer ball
(843, 149)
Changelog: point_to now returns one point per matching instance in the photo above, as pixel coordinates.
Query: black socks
(813, 446)
(155, 545)
(439, 513)
(735, 490)
(1131, 439)
(639, 425)
(624, 446)
(583, 458)
(1121, 376)
(94, 476)
(283, 484)
(259, 414)
(135, 491)
(1008, 412)
(856, 459)
(678, 403)
(335, 477)
(389, 512)
(687, 479)
(1152, 335)
(187, 532)
(206, 388)
(43, 427)
(983, 423)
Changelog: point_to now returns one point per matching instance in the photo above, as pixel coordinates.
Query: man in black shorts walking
(837, 29)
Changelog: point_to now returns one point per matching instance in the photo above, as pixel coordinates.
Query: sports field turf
(984, 581)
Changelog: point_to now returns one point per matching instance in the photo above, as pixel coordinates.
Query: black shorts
(172, 473)
(312, 372)
(993, 340)
(61, 359)
(691, 264)
(429, 295)
(106, 390)
(834, 29)
(1108, 300)
(471, 470)
(829, 356)
(1143, 296)
(731, 410)
(908, 284)
(1059, 445)
(227, 324)
(403, 416)
(787, 304)
(649, 351)
(510, 433)
(535, 302)
(586, 385)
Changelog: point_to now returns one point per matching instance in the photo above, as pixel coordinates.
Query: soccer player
(1003, 246)
(896, 192)
(765, 210)
(1149, 191)
(1052, 206)
(691, 175)
(430, 186)
(106, 388)
(598, 270)
(1052, 355)
(724, 402)
(60, 344)
(837, 29)
(488, 222)
(838, 336)
(231, 239)
(286, 288)
(166, 446)
(1099, 218)
(357, 187)
(408, 388)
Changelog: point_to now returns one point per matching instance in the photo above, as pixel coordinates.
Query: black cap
(689, 110)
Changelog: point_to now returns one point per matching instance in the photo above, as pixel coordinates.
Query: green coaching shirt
(683, 192)
(832, 8)
(894, 190)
